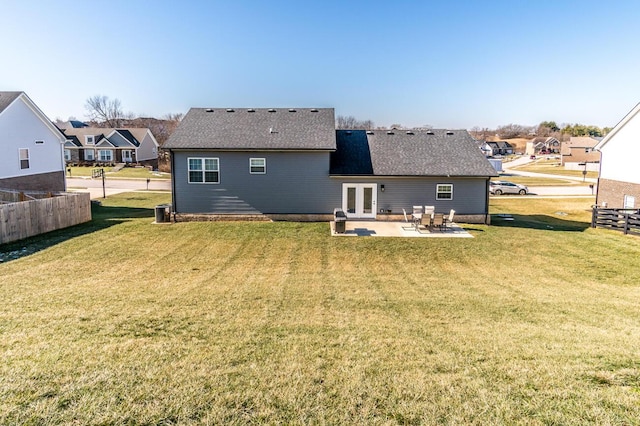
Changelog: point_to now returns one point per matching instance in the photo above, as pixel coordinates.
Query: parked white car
(499, 187)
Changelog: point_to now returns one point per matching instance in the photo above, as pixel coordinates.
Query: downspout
(487, 217)
(64, 166)
(173, 185)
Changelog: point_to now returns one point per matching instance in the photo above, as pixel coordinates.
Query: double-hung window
(89, 154)
(24, 158)
(444, 191)
(257, 166)
(204, 170)
(105, 155)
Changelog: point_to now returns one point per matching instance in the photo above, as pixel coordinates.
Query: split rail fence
(24, 214)
(625, 220)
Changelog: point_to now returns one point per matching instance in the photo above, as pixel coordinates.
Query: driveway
(115, 186)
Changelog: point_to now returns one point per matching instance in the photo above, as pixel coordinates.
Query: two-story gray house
(291, 164)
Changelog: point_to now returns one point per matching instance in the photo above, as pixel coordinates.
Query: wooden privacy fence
(25, 214)
(625, 220)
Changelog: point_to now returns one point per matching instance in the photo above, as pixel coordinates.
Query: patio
(397, 229)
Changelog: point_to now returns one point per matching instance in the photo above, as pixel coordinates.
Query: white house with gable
(31, 146)
(619, 182)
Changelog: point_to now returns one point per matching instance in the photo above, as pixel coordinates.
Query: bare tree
(514, 131)
(105, 111)
(352, 123)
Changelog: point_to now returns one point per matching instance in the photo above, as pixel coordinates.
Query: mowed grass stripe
(236, 323)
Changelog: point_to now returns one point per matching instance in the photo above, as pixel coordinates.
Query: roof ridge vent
(209, 110)
(292, 110)
(271, 110)
(231, 110)
(313, 110)
(251, 110)
(409, 132)
(430, 132)
(449, 132)
(348, 132)
(390, 132)
(369, 132)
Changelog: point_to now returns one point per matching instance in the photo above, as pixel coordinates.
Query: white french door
(126, 156)
(359, 200)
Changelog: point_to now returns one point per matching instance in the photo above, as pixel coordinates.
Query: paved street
(115, 186)
(581, 188)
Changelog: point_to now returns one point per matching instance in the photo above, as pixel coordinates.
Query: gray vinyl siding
(469, 194)
(299, 183)
(295, 183)
(121, 142)
(147, 149)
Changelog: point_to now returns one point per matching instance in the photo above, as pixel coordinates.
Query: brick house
(619, 181)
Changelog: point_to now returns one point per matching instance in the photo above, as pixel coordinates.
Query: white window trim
(93, 155)
(21, 159)
(86, 140)
(110, 151)
(203, 160)
(264, 165)
(438, 191)
(67, 155)
(629, 202)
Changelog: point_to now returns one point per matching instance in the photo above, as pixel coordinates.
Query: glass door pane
(367, 207)
(351, 199)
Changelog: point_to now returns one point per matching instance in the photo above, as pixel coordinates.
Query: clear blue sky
(449, 64)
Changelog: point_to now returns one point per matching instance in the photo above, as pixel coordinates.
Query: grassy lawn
(533, 321)
(553, 167)
(127, 172)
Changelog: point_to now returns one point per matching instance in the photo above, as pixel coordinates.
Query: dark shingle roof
(128, 136)
(408, 153)
(72, 140)
(6, 98)
(255, 129)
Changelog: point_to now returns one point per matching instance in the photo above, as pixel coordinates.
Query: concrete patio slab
(397, 229)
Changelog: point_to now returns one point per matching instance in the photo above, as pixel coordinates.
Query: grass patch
(125, 173)
(231, 323)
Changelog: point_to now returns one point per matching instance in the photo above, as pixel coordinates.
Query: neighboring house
(485, 148)
(293, 164)
(543, 145)
(619, 180)
(500, 148)
(31, 146)
(94, 145)
(579, 150)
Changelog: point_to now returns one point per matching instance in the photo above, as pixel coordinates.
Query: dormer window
(89, 140)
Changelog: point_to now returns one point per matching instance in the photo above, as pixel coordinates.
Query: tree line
(544, 129)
